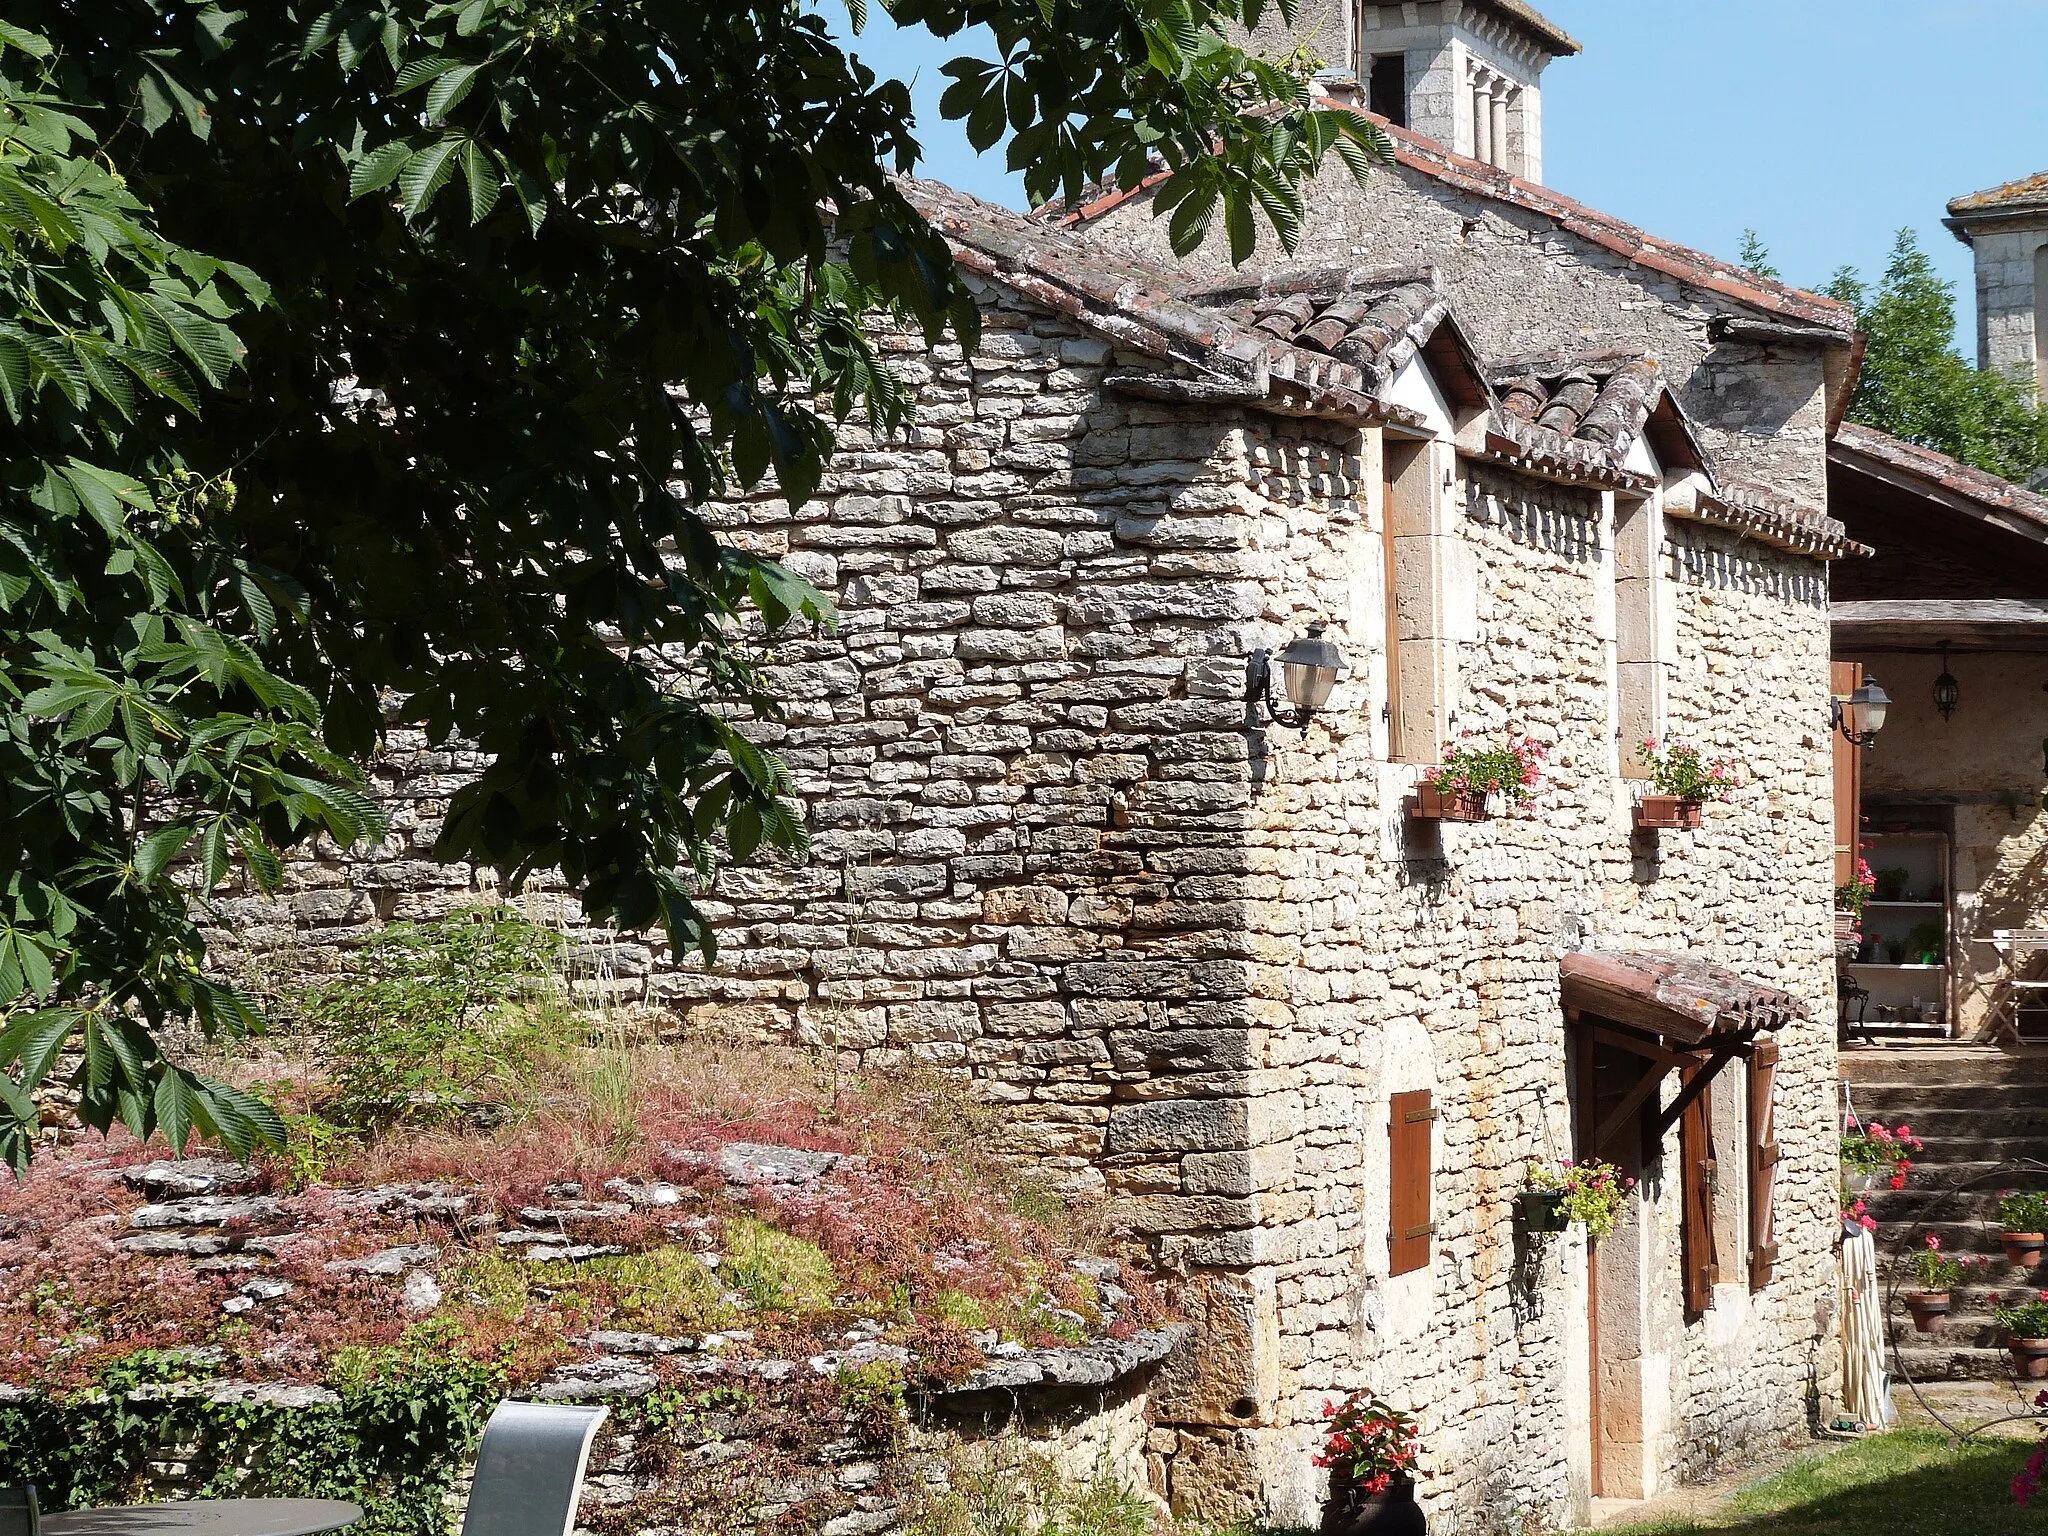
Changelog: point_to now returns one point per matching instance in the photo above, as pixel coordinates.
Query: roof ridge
(1417, 152)
(1950, 473)
(2021, 192)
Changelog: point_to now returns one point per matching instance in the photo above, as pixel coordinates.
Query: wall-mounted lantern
(1860, 716)
(1308, 667)
(1948, 693)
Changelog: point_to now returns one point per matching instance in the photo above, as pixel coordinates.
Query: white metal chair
(2021, 949)
(19, 1512)
(529, 1469)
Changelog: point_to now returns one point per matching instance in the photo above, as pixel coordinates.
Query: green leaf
(426, 173)
(379, 168)
(480, 170)
(175, 1101)
(159, 848)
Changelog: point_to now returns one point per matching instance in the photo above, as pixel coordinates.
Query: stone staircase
(1979, 1110)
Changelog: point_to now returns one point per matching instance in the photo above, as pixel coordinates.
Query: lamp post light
(1308, 671)
(1860, 716)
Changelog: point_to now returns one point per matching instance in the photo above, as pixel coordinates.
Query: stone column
(1482, 119)
(1499, 103)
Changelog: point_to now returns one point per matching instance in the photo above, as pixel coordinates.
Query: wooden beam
(1646, 1085)
(1668, 1117)
(1625, 1040)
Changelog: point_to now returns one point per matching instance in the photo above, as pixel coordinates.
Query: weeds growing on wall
(405, 1428)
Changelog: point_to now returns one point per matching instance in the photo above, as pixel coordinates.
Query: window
(1418, 653)
(1639, 671)
(1409, 1169)
(1387, 87)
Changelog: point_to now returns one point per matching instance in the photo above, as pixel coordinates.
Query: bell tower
(2006, 229)
(1467, 73)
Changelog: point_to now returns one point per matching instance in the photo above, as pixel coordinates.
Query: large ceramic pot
(2023, 1249)
(1669, 811)
(1928, 1308)
(1351, 1512)
(2029, 1358)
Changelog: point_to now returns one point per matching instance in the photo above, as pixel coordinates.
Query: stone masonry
(1056, 848)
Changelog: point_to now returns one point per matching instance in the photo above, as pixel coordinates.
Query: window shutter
(1763, 1163)
(1408, 1141)
(1696, 1152)
(1847, 678)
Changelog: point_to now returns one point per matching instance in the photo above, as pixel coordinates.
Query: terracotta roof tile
(1939, 470)
(2028, 192)
(1425, 155)
(1773, 519)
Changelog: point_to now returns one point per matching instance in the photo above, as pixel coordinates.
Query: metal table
(208, 1517)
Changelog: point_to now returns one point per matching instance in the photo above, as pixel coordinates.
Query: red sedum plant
(1371, 1442)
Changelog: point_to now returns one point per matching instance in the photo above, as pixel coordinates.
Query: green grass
(1907, 1483)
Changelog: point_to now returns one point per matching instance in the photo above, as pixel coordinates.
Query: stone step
(1891, 1102)
(1961, 1236)
(1864, 1067)
(1941, 1128)
(1930, 1191)
(1957, 1363)
(1992, 1141)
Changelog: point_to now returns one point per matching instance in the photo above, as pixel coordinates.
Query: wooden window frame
(1763, 1163)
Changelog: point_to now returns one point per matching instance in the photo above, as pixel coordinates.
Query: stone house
(1539, 474)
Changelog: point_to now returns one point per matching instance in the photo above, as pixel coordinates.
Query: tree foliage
(1916, 386)
(364, 366)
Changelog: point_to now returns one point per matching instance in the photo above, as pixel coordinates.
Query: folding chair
(529, 1469)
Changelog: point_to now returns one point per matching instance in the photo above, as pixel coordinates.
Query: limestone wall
(1055, 848)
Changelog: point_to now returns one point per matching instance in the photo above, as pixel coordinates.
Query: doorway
(1606, 1125)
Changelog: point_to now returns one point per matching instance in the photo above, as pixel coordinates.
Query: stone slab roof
(2027, 195)
(1426, 156)
(1936, 474)
(1674, 993)
(1520, 15)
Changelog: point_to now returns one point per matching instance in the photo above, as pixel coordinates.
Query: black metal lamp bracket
(1258, 688)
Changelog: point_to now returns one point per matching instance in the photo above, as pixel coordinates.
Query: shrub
(434, 1017)
(774, 1270)
(2023, 1210)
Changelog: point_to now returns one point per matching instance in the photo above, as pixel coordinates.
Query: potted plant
(1371, 1449)
(1589, 1192)
(2023, 1225)
(1939, 1275)
(1871, 1153)
(1891, 883)
(1855, 896)
(1685, 781)
(1458, 788)
(1540, 1201)
(2026, 1335)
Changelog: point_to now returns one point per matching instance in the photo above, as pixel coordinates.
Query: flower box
(1656, 811)
(1449, 805)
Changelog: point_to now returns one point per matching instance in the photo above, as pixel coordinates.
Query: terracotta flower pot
(2023, 1249)
(1449, 805)
(1350, 1512)
(2029, 1358)
(1669, 811)
(1928, 1308)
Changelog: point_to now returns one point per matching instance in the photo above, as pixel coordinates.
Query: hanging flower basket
(1542, 1210)
(2023, 1226)
(1660, 811)
(2026, 1336)
(2023, 1249)
(2029, 1358)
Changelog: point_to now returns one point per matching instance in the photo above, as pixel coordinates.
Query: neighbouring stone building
(1540, 475)
(2006, 228)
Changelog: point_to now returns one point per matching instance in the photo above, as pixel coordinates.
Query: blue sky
(1823, 124)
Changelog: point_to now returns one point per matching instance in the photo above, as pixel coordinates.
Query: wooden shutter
(1408, 1143)
(1763, 1163)
(1847, 678)
(1396, 744)
(1696, 1152)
